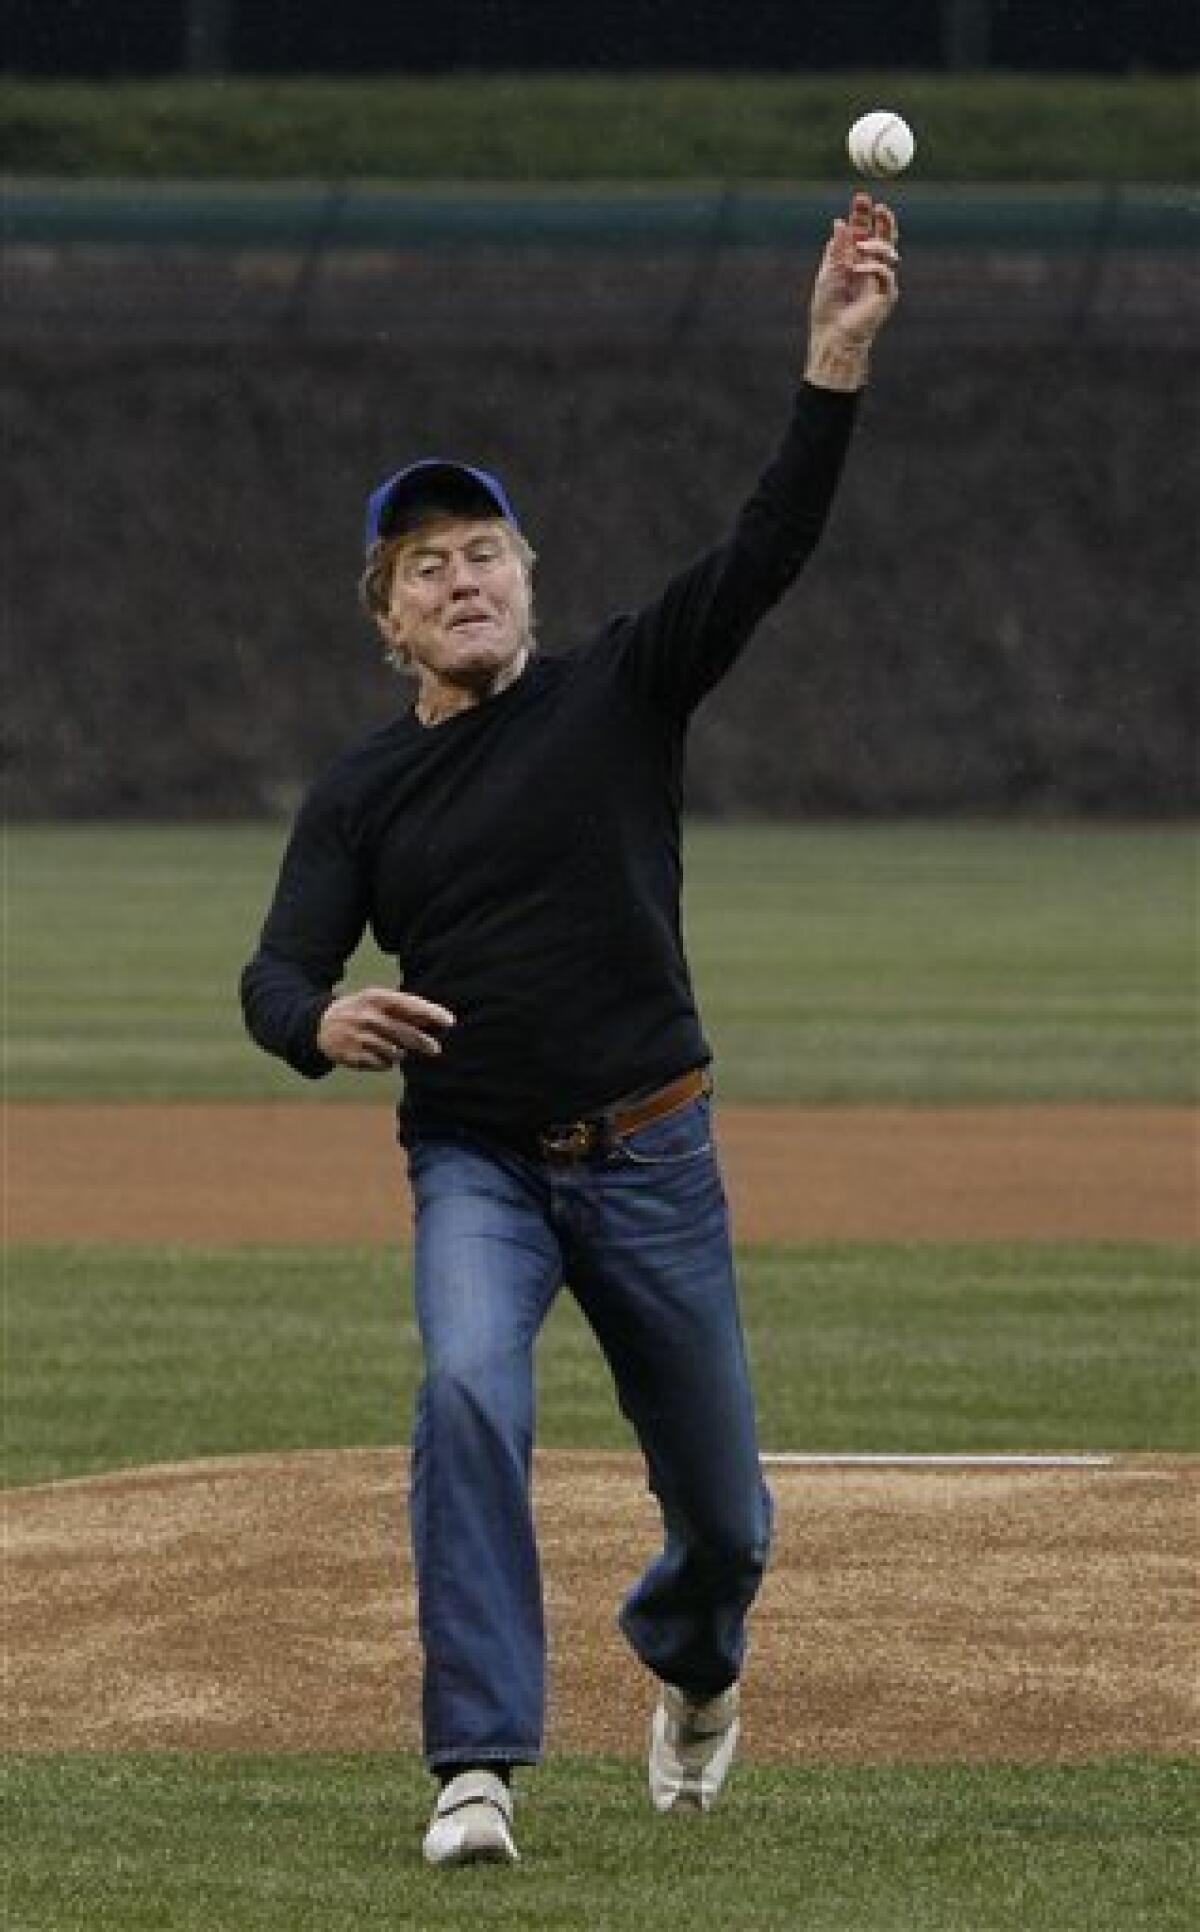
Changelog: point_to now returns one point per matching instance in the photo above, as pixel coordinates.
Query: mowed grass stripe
(179, 1843)
(120, 1357)
(842, 964)
(539, 128)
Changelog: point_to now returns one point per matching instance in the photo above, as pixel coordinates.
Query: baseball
(880, 143)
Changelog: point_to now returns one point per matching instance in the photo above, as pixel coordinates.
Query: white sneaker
(472, 1822)
(692, 1741)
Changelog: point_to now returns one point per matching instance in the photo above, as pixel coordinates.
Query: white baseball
(880, 143)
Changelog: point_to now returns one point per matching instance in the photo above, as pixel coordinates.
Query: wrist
(837, 365)
(318, 1031)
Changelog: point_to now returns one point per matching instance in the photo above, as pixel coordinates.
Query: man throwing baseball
(512, 838)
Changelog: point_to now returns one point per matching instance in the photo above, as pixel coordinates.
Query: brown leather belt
(581, 1140)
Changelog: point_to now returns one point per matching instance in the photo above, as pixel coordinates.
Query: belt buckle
(573, 1141)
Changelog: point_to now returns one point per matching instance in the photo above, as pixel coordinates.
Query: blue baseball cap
(435, 482)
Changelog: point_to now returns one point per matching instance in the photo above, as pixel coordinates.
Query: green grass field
(914, 964)
(192, 1844)
(589, 127)
(190, 1353)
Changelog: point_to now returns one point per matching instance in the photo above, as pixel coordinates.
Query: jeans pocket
(685, 1135)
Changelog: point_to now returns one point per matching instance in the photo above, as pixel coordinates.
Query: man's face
(460, 603)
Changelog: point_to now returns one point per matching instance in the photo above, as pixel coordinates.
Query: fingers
(866, 243)
(870, 221)
(862, 216)
(410, 1006)
(883, 277)
(372, 1030)
(368, 1053)
(877, 262)
(876, 234)
(871, 218)
(392, 1038)
(869, 252)
(399, 1023)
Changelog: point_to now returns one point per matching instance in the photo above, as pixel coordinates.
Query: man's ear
(394, 648)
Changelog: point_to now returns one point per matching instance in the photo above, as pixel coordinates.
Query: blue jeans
(642, 1237)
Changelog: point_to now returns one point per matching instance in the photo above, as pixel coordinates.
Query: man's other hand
(372, 1030)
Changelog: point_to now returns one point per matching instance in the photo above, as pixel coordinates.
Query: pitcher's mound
(265, 1604)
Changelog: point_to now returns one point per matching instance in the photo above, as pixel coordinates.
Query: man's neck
(439, 698)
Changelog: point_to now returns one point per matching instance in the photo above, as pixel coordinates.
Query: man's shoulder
(602, 645)
(359, 763)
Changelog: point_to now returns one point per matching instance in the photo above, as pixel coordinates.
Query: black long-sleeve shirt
(521, 859)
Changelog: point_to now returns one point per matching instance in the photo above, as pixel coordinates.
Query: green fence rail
(360, 216)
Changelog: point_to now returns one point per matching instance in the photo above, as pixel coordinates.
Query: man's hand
(370, 1031)
(854, 293)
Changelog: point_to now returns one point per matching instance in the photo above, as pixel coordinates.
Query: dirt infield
(225, 1175)
(265, 1604)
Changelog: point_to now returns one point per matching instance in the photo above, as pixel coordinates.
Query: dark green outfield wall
(1002, 616)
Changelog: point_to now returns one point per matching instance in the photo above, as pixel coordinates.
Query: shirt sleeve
(316, 920)
(681, 644)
